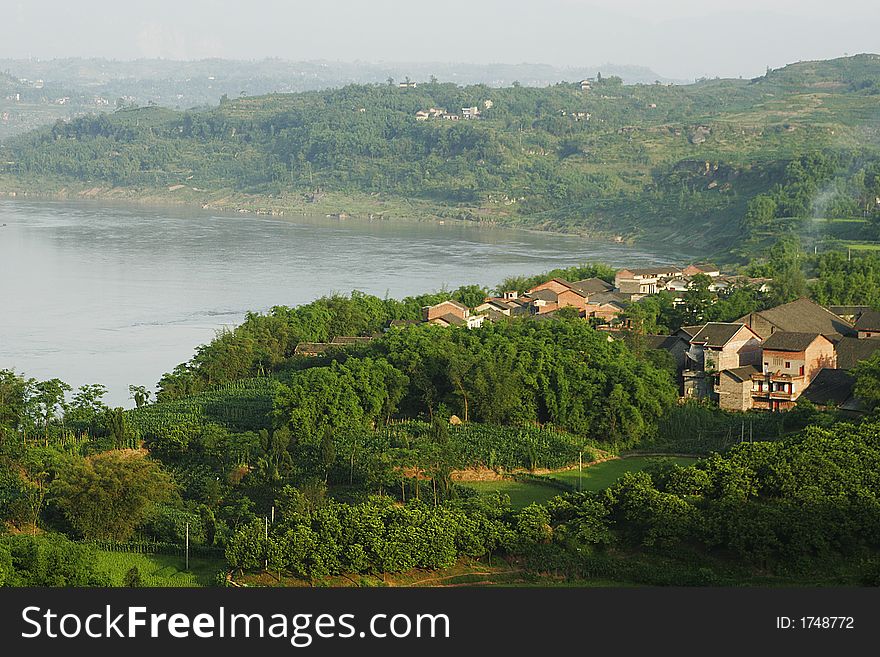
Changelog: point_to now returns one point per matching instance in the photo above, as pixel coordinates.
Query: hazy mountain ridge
(655, 161)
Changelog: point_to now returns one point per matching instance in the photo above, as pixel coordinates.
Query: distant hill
(187, 84)
(642, 162)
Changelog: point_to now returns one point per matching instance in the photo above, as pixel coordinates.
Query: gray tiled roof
(716, 334)
(789, 341)
(592, 286)
(852, 350)
(742, 373)
(830, 388)
(803, 315)
(869, 320)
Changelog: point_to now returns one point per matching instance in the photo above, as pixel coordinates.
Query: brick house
(559, 292)
(451, 313)
(716, 347)
(790, 361)
(734, 388)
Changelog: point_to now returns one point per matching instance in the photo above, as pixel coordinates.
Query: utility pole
(742, 431)
(267, 542)
(187, 547)
(580, 469)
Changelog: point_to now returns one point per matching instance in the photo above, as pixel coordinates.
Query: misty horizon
(681, 40)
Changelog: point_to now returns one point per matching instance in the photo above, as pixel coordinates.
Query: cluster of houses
(467, 113)
(651, 280)
(770, 359)
(765, 360)
(594, 299)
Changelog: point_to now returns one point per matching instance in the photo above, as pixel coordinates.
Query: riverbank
(372, 207)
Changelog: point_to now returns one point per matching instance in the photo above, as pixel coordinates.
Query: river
(120, 294)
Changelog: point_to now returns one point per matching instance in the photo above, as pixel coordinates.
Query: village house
(800, 315)
(717, 346)
(643, 281)
(559, 292)
(351, 339)
(422, 115)
(734, 388)
(605, 306)
(790, 361)
(470, 112)
(312, 348)
(451, 313)
(868, 324)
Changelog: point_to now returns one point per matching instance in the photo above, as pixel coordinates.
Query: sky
(681, 39)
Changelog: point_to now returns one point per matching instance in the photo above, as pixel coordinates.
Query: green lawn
(521, 493)
(602, 475)
(159, 570)
(594, 477)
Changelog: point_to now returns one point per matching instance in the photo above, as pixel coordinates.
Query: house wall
(446, 308)
(734, 395)
(759, 325)
(818, 355)
(569, 298)
(605, 312)
(696, 385)
(744, 349)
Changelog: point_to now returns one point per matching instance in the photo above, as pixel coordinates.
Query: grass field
(602, 475)
(159, 570)
(521, 493)
(594, 477)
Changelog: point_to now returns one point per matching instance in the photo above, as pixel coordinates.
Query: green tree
(107, 495)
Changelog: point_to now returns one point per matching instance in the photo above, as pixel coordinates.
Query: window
(788, 364)
(802, 370)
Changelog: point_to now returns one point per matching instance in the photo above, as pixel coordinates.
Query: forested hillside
(641, 161)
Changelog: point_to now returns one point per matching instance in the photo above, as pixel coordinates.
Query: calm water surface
(121, 294)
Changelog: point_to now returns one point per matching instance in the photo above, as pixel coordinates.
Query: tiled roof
(312, 348)
(592, 286)
(852, 350)
(449, 318)
(803, 315)
(868, 321)
(789, 341)
(691, 330)
(351, 339)
(621, 300)
(742, 374)
(716, 334)
(830, 388)
(848, 310)
(546, 295)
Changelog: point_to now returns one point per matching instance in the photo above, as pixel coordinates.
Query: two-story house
(716, 347)
(789, 362)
